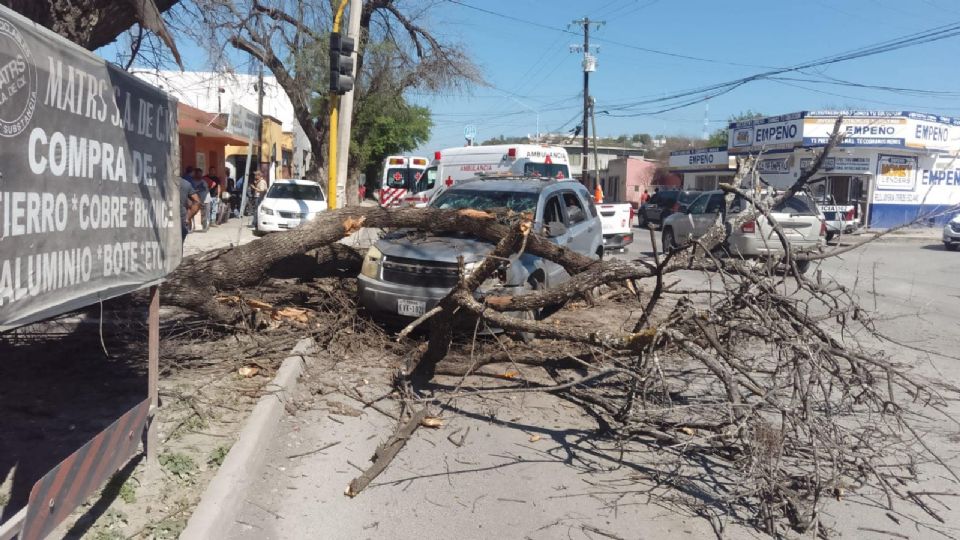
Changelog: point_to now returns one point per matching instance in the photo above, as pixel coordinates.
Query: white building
(703, 168)
(895, 165)
(217, 92)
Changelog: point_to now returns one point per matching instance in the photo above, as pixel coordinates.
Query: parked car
(951, 233)
(664, 203)
(798, 216)
(615, 220)
(405, 275)
(288, 204)
(839, 218)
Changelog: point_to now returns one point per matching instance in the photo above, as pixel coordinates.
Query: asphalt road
(527, 467)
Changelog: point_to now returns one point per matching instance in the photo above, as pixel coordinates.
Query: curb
(222, 498)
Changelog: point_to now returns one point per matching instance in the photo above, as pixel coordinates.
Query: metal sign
(65, 487)
(89, 195)
(470, 132)
(243, 122)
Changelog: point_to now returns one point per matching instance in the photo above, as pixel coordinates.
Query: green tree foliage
(386, 125)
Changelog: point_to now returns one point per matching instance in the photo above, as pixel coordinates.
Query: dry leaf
(510, 374)
(688, 431)
(535, 438)
(259, 304)
(431, 422)
(248, 371)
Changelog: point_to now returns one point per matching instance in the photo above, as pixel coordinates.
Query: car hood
(439, 248)
(294, 205)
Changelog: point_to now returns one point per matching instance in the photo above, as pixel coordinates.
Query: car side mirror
(555, 229)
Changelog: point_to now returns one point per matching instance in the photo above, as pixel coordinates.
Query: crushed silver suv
(798, 216)
(951, 233)
(406, 273)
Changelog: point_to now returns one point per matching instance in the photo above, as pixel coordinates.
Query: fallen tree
(751, 374)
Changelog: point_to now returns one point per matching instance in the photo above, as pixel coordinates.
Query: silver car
(951, 233)
(801, 221)
(406, 274)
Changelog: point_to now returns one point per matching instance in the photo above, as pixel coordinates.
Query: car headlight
(265, 210)
(371, 263)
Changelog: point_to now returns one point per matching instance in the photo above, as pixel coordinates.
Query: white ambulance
(401, 174)
(453, 165)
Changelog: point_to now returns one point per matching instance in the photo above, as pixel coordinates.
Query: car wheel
(802, 266)
(831, 236)
(669, 242)
(258, 233)
(950, 247)
(642, 221)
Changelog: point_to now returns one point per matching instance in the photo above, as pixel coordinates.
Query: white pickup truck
(615, 219)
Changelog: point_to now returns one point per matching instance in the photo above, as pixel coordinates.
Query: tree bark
(88, 23)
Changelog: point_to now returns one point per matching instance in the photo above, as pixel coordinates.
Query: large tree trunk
(88, 23)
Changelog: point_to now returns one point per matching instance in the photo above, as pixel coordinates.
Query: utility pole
(260, 123)
(589, 64)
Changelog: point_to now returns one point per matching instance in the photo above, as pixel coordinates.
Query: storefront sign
(89, 196)
(775, 165)
(896, 173)
(896, 130)
(243, 122)
(700, 158)
(839, 165)
(776, 132)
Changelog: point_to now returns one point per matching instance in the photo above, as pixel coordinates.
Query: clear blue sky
(535, 65)
(529, 66)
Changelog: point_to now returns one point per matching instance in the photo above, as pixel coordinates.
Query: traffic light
(341, 64)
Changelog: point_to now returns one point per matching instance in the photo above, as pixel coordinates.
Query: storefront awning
(197, 123)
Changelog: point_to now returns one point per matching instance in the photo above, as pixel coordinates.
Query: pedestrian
(213, 184)
(189, 206)
(237, 194)
(203, 191)
(644, 197)
(259, 190)
(363, 192)
(656, 190)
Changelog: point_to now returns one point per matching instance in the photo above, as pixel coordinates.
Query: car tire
(258, 233)
(831, 236)
(950, 247)
(802, 266)
(669, 241)
(642, 221)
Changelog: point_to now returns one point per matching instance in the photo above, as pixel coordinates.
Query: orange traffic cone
(598, 194)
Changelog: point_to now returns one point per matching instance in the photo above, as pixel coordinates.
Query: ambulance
(453, 165)
(401, 175)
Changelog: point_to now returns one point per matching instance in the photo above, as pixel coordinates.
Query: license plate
(411, 308)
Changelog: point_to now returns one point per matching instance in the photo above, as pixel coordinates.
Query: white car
(951, 233)
(288, 204)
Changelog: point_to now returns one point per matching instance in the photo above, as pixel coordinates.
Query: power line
(698, 95)
(607, 41)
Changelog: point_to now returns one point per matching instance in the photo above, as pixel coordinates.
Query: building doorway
(843, 191)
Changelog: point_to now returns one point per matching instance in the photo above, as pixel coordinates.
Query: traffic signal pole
(334, 118)
(346, 102)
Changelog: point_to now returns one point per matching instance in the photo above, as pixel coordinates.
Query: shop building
(204, 140)
(703, 168)
(894, 166)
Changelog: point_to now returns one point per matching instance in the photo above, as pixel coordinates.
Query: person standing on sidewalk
(259, 190)
(213, 184)
(204, 192)
(189, 206)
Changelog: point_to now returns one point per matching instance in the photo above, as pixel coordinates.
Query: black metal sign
(89, 195)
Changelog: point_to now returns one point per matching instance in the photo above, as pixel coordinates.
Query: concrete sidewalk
(234, 232)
